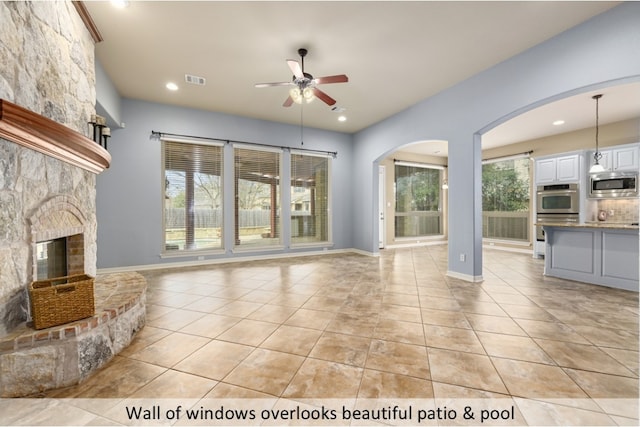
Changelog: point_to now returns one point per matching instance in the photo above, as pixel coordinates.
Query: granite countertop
(599, 224)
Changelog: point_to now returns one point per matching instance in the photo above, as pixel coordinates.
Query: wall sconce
(101, 133)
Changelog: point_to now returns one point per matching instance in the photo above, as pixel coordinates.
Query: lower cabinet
(602, 256)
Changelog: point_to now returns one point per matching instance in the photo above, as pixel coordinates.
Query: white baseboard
(465, 277)
(227, 260)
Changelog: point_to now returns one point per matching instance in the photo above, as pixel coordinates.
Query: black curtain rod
(526, 153)
(154, 133)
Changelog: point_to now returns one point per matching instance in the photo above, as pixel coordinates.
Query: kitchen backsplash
(624, 210)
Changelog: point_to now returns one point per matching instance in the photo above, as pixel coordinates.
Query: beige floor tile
(291, 299)
(537, 381)
(496, 324)
(210, 325)
(249, 332)
(550, 330)
(464, 369)
(453, 319)
(174, 384)
(401, 299)
(359, 324)
(265, 371)
(514, 347)
(173, 299)
(437, 303)
(120, 378)
(452, 339)
(401, 312)
(629, 358)
(229, 391)
(323, 379)
(313, 319)
(324, 303)
(538, 413)
(144, 337)
(170, 350)
(154, 311)
(340, 348)
(207, 304)
(599, 385)
(386, 385)
(259, 295)
(531, 312)
(397, 330)
(398, 358)
(176, 319)
(215, 360)
(292, 339)
(272, 313)
(238, 308)
(450, 391)
(608, 337)
(482, 307)
(585, 357)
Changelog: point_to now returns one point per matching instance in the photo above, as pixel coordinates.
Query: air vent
(195, 80)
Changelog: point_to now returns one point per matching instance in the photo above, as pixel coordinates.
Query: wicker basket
(61, 300)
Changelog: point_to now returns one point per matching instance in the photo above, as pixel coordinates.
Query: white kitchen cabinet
(623, 158)
(550, 170)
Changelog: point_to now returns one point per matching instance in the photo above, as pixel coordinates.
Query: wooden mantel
(31, 130)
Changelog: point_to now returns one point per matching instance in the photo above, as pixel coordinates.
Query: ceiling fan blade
(323, 96)
(340, 78)
(273, 84)
(295, 68)
(288, 102)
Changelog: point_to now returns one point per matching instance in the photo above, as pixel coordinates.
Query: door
(381, 206)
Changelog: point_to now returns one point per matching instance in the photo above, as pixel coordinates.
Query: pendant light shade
(597, 167)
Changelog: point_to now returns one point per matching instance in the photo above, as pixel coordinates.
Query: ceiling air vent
(195, 80)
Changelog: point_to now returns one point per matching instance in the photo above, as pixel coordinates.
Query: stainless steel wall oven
(556, 203)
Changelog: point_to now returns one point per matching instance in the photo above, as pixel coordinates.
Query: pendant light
(597, 167)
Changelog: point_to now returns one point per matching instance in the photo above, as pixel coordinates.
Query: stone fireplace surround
(48, 191)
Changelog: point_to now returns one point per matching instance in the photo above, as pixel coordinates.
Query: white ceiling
(395, 54)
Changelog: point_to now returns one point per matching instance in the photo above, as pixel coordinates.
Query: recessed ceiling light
(342, 119)
(172, 86)
(558, 123)
(120, 4)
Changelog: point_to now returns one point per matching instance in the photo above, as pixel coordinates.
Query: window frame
(164, 253)
(329, 210)
(441, 201)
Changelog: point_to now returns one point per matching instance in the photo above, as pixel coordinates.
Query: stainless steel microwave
(610, 185)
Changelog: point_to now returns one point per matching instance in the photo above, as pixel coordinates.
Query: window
(418, 200)
(309, 199)
(192, 196)
(257, 197)
(505, 199)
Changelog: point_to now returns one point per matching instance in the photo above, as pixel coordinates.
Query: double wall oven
(556, 203)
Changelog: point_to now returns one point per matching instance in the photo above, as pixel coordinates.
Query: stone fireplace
(48, 170)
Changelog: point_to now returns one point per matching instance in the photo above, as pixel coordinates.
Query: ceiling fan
(305, 85)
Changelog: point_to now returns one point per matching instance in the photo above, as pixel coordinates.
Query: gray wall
(600, 52)
(130, 192)
(597, 53)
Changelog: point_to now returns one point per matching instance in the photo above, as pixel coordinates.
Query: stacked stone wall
(47, 67)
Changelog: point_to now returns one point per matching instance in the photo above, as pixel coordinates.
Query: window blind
(192, 196)
(310, 199)
(257, 197)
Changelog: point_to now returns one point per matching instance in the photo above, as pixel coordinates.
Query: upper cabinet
(565, 168)
(621, 158)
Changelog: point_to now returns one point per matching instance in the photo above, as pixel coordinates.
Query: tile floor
(350, 326)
